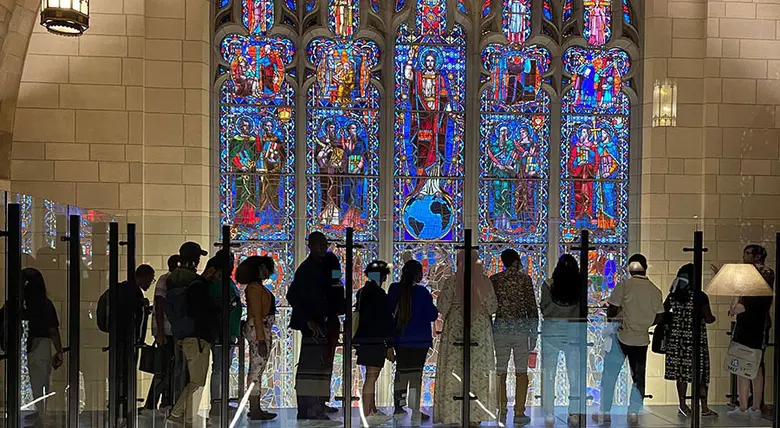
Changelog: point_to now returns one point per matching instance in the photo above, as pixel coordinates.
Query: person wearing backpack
(194, 323)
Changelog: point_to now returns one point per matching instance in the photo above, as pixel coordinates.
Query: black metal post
(582, 390)
(224, 380)
(698, 251)
(74, 319)
(241, 363)
(113, 335)
(776, 351)
(135, 339)
(13, 312)
(466, 396)
(347, 341)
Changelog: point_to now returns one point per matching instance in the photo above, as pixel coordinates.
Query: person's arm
(615, 302)
(54, 333)
(706, 310)
(433, 312)
(531, 305)
(159, 319)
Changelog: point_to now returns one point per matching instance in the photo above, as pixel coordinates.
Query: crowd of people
(396, 326)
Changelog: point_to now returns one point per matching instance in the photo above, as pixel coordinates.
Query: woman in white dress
(449, 366)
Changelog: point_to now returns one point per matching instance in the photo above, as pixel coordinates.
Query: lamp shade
(738, 280)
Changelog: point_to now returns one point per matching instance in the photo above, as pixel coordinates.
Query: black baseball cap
(378, 266)
(190, 251)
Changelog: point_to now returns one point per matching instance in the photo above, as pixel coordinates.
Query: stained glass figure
(485, 8)
(598, 18)
(567, 10)
(343, 17)
(547, 10)
(343, 142)
(399, 4)
(430, 89)
(517, 20)
(462, 6)
(291, 4)
(596, 81)
(431, 16)
(258, 15)
(375, 5)
(626, 12)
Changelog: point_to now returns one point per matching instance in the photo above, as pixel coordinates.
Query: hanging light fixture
(65, 17)
(740, 279)
(665, 103)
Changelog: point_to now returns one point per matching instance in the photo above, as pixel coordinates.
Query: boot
(256, 413)
(502, 398)
(521, 395)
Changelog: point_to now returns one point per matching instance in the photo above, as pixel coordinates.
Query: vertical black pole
(133, 337)
(224, 380)
(698, 264)
(13, 311)
(113, 335)
(347, 341)
(775, 381)
(583, 336)
(466, 404)
(74, 319)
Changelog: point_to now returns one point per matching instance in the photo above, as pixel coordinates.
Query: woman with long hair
(561, 333)
(413, 312)
(43, 334)
(680, 305)
(449, 365)
(261, 314)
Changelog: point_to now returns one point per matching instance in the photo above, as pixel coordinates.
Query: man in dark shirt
(308, 297)
(514, 329)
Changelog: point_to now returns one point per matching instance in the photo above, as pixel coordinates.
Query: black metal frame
(226, 343)
(698, 251)
(776, 334)
(466, 396)
(113, 338)
(74, 318)
(582, 389)
(12, 313)
(133, 341)
(346, 394)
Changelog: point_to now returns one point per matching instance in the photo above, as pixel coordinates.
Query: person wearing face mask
(261, 313)
(373, 337)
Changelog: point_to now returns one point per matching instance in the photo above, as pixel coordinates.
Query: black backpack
(178, 312)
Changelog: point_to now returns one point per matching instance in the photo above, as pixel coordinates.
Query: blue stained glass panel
(567, 10)
(626, 12)
(343, 73)
(257, 70)
(375, 5)
(291, 4)
(596, 81)
(431, 16)
(517, 20)
(223, 3)
(598, 19)
(486, 8)
(462, 6)
(257, 15)
(516, 76)
(343, 17)
(399, 4)
(310, 5)
(547, 9)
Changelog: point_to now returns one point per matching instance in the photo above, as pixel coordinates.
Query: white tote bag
(742, 361)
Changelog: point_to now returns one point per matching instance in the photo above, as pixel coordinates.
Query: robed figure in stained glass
(429, 94)
(527, 146)
(245, 151)
(608, 170)
(330, 159)
(516, 25)
(258, 16)
(244, 82)
(583, 169)
(355, 165)
(597, 22)
(273, 158)
(270, 70)
(343, 17)
(516, 79)
(505, 164)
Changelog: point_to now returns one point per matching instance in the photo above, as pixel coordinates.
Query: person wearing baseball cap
(373, 331)
(190, 253)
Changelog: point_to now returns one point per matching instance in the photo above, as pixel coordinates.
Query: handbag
(660, 335)
(150, 360)
(742, 361)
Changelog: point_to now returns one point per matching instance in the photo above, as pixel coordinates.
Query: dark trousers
(162, 383)
(409, 364)
(613, 363)
(312, 380)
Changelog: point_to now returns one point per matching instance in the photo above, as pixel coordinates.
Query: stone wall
(719, 169)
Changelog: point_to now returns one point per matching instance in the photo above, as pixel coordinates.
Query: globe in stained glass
(428, 218)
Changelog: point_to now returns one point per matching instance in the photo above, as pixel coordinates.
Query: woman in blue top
(413, 312)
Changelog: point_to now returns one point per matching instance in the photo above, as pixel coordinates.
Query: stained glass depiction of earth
(428, 218)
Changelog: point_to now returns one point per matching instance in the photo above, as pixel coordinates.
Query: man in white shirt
(636, 304)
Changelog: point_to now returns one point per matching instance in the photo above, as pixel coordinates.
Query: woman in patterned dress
(261, 313)
(449, 366)
(679, 347)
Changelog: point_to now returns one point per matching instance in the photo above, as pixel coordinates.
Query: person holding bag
(373, 332)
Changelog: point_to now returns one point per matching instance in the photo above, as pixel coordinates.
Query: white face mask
(374, 276)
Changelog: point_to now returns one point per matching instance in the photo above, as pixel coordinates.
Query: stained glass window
(567, 10)
(626, 12)
(598, 18)
(517, 20)
(547, 9)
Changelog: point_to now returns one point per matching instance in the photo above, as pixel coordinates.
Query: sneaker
(424, 417)
(262, 415)
(329, 409)
(174, 420)
(755, 414)
(633, 419)
(573, 420)
(601, 418)
(521, 419)
(738, 413)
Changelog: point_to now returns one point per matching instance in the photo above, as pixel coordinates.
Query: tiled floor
(654, 417)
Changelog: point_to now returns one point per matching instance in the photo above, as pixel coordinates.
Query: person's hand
(714, 268)
(390, 355)
(315, 328)
(56, 361)
(159, 339)
(262, 349)
(736, 309)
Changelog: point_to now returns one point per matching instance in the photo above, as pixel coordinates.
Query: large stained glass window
(430, 89)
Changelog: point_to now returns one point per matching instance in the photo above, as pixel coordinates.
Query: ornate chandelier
(65, 17)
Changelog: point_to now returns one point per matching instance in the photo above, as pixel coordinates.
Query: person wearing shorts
(514, 330)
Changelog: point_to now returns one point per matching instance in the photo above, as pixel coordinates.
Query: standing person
(161, 389)
(751, 330)
(413, 312)
(335, 297)
(681, 303)
(514, 331)
(561, 333)
(483, 306)
(261, 314)
(213, 274)
(43, 335)
(373, 337)
(191, 312)
(635, 305)
(308, 298)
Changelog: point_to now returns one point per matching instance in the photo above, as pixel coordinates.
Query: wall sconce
(665, 103)
(65, 17)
